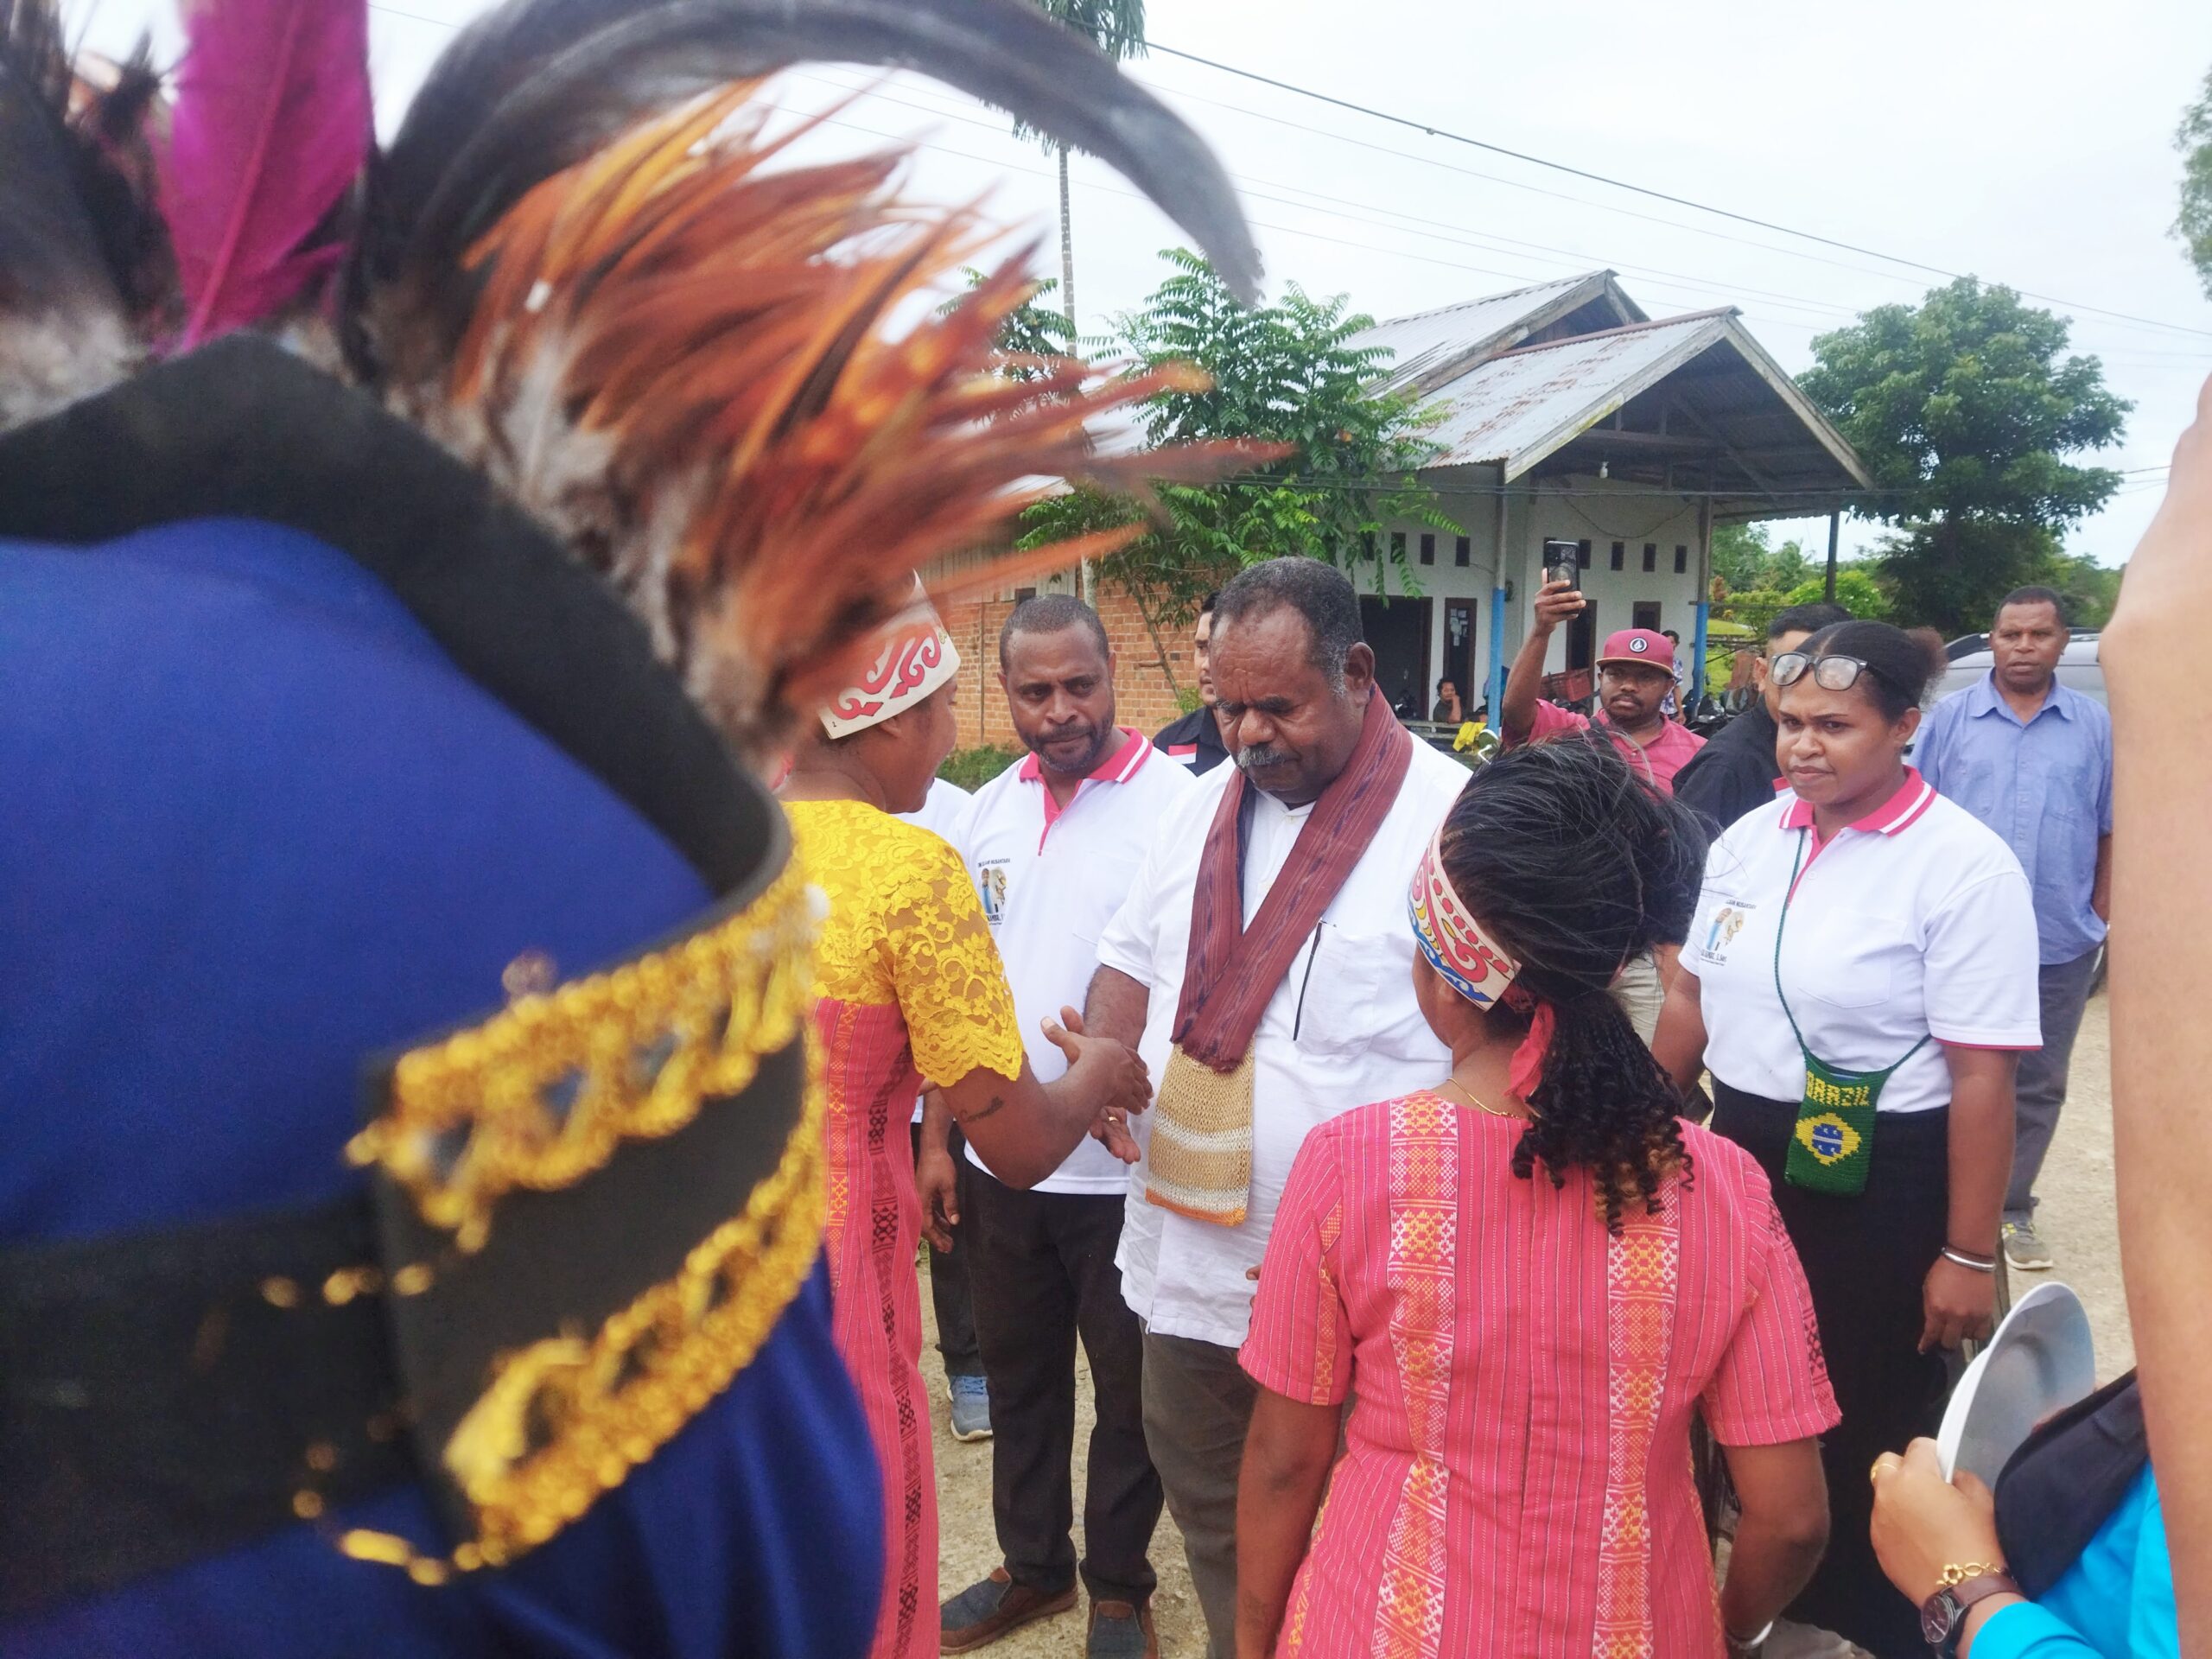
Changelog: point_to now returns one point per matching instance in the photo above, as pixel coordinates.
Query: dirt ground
(2078, 1222)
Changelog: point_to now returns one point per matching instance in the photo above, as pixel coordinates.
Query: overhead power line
(1640, 189)
(1521, 155)
(946, 107)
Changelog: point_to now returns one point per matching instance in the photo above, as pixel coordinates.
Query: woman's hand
(1924, 1523)
(1959, 1303)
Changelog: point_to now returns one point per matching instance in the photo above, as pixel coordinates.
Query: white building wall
(1603, 512)
(1599, 510)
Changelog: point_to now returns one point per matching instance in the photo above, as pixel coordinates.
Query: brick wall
(1143, 695)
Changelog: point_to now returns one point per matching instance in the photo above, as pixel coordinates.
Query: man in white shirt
(969, 1408)
(1284, 879)
(1053, 843)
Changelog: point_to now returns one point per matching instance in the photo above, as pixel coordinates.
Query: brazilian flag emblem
(1828, 1137)
(1831, 1145)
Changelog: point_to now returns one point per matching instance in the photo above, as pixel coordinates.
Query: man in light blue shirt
(2032, 760)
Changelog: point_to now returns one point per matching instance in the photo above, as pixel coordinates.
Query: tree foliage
(1035, 329)
(1115, 27)
(2193, 225)
(1288, 374)
(1964, 408)
(2089, 589)
(1745, 559)
(1772, 578)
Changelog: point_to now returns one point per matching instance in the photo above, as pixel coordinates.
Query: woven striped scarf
(1199, 1162)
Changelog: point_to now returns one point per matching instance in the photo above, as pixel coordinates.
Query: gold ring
(1874, 1475)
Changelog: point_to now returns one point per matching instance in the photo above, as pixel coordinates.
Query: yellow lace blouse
(906, 930)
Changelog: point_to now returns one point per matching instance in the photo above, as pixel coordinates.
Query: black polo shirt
(1194, 741)
(1734, 773)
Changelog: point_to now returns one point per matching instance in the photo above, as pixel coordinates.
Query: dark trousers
(1865, 1260)
(949, 1292)
(1042, 1271)
(2064, 988)
(1198, 1406)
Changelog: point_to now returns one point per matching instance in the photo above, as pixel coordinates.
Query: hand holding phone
(1557, 600)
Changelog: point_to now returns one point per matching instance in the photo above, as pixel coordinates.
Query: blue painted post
(1696, 686)
(1496, 653)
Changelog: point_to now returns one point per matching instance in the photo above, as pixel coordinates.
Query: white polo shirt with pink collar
(1050, 878)
(1916, 920)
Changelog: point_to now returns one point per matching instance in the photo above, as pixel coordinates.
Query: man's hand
(1517, 715)
(1556, 601)
(936, 1182)
(1131, 1088)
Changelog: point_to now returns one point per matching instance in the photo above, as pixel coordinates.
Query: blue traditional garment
(266, 832)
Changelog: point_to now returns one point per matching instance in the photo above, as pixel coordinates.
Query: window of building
(1397, 547)
(1428, 547)
(1651, 555)
(1645, 614)
(1463, 552)
(1681, 559)
(1582, 555)
(1620, 554)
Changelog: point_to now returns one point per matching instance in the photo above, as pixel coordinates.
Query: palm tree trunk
(1067, 245)
(1067, 297)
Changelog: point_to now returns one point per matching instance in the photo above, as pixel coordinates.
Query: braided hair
(1575, 866)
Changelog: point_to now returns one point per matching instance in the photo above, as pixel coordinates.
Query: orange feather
(776, 462)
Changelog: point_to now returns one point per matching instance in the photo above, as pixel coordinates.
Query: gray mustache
(1260, 759)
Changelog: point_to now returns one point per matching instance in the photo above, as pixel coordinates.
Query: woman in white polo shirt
(1860, 980)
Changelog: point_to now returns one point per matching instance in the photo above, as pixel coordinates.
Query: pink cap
(1639, 645)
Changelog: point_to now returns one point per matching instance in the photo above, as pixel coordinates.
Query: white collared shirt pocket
(1339, 978)
(1847, 959)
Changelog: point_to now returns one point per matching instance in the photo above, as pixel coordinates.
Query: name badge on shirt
(990, 887)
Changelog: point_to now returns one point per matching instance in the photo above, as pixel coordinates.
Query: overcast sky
(2026, 143)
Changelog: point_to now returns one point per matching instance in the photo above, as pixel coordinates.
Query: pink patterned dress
(1516, 1478)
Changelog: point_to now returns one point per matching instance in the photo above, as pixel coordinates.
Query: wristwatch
(1943, 1615)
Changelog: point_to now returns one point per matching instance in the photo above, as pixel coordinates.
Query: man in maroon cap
(1635, 671)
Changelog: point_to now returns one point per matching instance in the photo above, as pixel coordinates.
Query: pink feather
(271, 128)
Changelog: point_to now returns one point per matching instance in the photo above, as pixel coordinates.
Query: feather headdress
(269, 133)
(576, 266)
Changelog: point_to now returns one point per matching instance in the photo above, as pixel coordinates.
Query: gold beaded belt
(584, 1215)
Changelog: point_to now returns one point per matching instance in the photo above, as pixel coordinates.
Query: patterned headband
(1448, 937)
(915, 656)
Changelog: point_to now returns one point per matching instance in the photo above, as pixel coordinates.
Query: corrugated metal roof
(1514, 408)
(1432, 340)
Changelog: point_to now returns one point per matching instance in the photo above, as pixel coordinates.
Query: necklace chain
(1478, 1104)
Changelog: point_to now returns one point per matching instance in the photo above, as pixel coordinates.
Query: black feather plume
(50, 254)
(70, 229)
(538, 85)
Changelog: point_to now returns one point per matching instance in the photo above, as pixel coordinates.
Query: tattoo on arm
(998, 1102)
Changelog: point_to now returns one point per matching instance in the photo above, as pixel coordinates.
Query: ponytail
(1603, 1105)
(1575, 867)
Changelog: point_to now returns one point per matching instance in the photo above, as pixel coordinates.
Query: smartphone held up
(1563, 562)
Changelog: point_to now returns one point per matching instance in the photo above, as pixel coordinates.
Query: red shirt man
(1635, 671)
